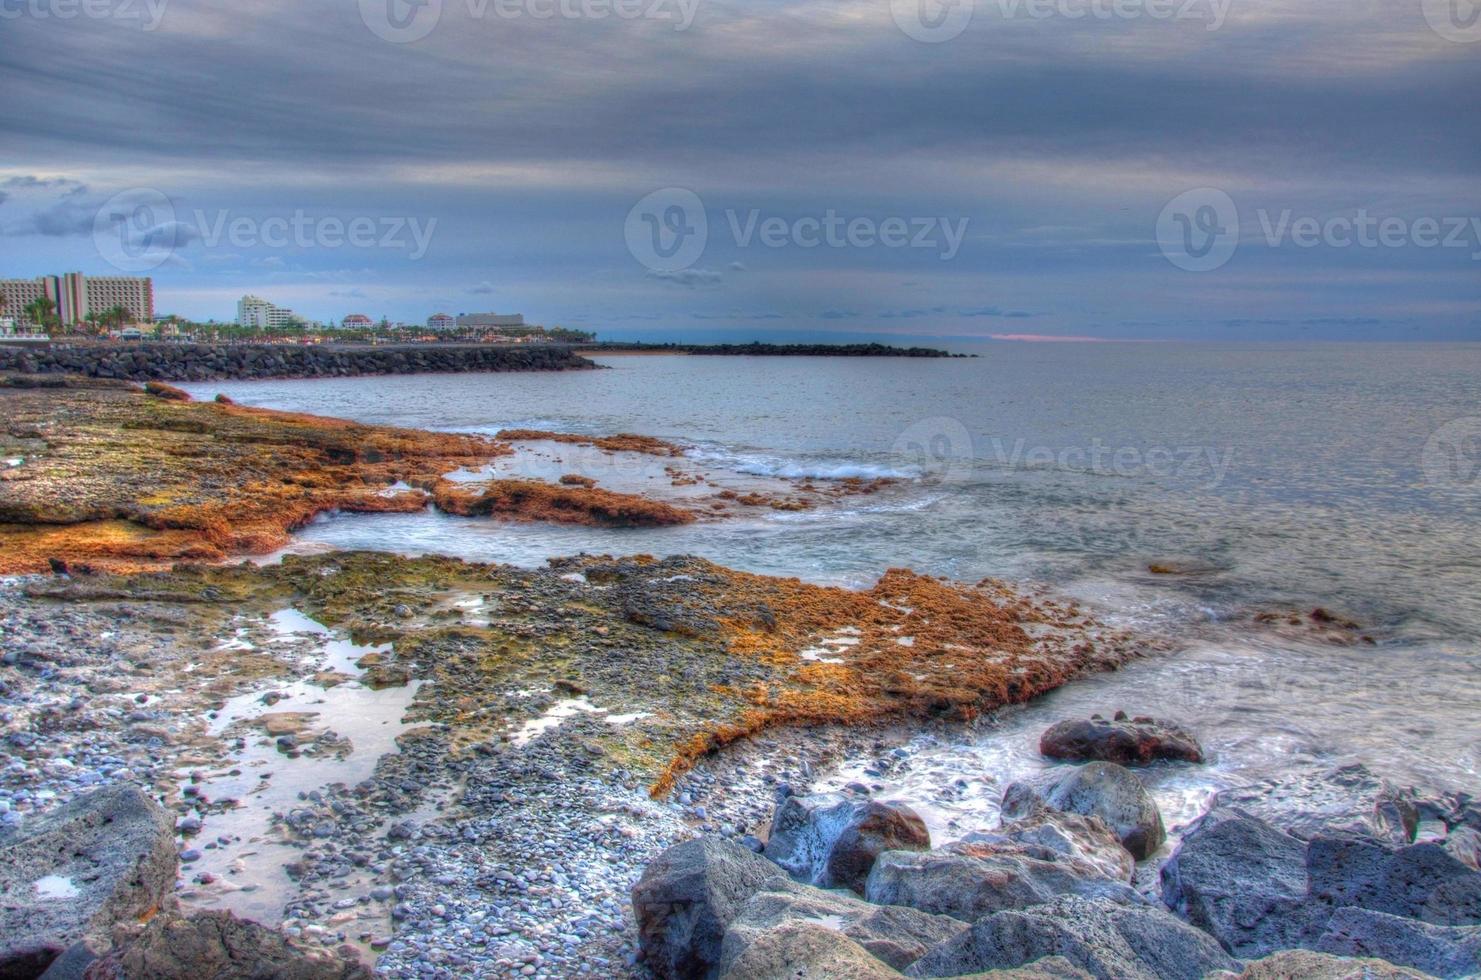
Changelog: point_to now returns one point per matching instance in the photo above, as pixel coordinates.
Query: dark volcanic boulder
(1306, 965)
(1108, 940)
(1444, 951)
(1128, 741)
(894, 935)
(104, 859)
(687, 898)
(831, 840)
(1113, 793)
(1351, 800)
(220, 946)
(968, 881)
(1421, 881)
(1240, 880)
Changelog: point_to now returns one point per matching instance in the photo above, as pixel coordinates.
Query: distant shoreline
(767, 350)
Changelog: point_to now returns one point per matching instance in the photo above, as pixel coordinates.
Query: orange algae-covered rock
(530, 500)
(622, 442)
(120, 480)
(911, 646)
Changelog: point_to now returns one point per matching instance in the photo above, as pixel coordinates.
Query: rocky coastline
(214, 362)
(349, 763)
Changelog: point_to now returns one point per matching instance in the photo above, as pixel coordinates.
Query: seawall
(207, 362)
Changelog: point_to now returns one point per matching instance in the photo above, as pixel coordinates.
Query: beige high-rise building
(76, 296)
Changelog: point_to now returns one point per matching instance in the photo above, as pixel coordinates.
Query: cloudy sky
(1149, 169)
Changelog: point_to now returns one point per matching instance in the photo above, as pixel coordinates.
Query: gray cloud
(689, 278)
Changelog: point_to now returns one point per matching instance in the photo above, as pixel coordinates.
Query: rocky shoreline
(1345, 876)
(604, 767)
(214, 362)
(564, 727)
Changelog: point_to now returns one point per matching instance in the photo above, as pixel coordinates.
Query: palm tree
(42, 312)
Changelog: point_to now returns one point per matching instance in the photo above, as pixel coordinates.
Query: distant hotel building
(358, 321)
(254, 311)
(76, 297)
(441, 321)
(487, 321)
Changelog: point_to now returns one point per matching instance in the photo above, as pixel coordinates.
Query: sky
(943, 170)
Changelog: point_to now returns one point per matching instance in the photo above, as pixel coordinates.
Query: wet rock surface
(1349, 800)
(104, 859)
(1115, 795)
(1127, 741)
(832, 840)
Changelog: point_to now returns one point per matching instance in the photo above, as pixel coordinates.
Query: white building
(254, 311)
(442, 321)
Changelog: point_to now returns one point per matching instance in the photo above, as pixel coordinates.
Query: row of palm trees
(42, 311)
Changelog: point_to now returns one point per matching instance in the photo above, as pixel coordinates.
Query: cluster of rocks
(207, 362)
(1361, 880)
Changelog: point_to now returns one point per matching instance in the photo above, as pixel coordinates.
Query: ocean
(1255, 479)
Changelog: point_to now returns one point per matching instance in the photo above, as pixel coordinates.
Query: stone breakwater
(208, 362)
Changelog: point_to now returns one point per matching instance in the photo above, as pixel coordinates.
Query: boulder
(1240, 880)
(969, 881)
(70, 876)
(1306, 965)
(1421, 881)
(1108, 940)
(1444, 951)
(1113, 793)
(689, 895)
(831, 840)
(1028, 820)
(1464, 844)
(894, 935)
(1348, 801)
(218, 945)
(1128, 741)
(805, 951)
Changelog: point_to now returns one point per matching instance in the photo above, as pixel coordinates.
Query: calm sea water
(1287, 477)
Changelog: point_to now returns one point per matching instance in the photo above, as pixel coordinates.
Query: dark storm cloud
(311, 79)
